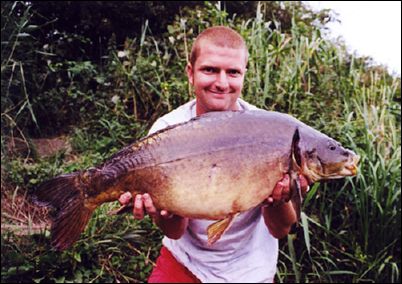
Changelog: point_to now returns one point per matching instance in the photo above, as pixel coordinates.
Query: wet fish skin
(211, 167)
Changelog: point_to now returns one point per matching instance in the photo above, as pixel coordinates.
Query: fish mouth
(345, 172)
(349, 169)
(352, 167)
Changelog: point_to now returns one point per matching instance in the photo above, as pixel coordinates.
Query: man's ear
(190, 73)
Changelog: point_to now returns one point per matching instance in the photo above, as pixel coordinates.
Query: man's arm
(279, 219)
(279, 215)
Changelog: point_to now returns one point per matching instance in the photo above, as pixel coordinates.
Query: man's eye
(209, 70)
(234, 72)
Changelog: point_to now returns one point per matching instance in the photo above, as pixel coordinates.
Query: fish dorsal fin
(217, 229)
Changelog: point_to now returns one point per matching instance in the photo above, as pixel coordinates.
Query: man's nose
(222, 80)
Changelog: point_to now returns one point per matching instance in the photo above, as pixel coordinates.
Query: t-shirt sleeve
(158, 125)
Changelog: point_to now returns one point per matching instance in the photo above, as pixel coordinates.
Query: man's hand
(281, 192)
(279, 214)
(173, 226)
(143, 204)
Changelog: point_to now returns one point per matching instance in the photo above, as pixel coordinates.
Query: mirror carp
(211, 167)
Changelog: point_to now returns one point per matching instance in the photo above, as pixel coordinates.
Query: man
(248, 251)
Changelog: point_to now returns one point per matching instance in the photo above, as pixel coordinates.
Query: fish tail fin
(65, 195)
(217, 229)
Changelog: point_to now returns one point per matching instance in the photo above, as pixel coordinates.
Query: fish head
(321, 157)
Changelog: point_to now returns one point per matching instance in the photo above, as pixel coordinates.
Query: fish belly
(215, 184)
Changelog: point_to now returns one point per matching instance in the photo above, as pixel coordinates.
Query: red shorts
(169, 270)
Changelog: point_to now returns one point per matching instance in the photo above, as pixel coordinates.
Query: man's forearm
(279, 219)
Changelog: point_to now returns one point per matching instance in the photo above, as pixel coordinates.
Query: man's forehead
(212, 54)
(207, 45)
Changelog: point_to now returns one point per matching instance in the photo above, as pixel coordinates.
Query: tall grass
(377, 191)
(355, 225)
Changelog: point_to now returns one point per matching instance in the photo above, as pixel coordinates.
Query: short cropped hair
(218, 35)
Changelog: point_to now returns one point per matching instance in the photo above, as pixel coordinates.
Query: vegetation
(102, 86)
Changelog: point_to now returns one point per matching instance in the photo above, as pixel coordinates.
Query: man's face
(217, 77)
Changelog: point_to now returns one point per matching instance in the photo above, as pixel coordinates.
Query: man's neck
(201, 111)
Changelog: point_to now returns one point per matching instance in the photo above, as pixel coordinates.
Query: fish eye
(332, 145)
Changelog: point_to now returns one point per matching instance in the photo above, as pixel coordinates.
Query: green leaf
(304, 221)
(77, 257)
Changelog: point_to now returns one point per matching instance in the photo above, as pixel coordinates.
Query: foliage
(102, 254)
(105, 78)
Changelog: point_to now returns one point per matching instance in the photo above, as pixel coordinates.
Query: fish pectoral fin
(296, 195)
(217, 229)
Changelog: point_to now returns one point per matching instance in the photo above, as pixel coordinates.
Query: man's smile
(218, 94)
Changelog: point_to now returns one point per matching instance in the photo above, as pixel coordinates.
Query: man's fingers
(151, 210)
(143, 204)
(125, 198)
(138, 210)
(281, 192)
(149, 205)
(276, 193)
(286, 190)
(165, 214)
(270, 200)
(281, 189)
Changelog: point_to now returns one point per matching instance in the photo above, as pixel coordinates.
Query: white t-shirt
(246, 252)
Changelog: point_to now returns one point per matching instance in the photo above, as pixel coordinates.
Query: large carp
(211, 167)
